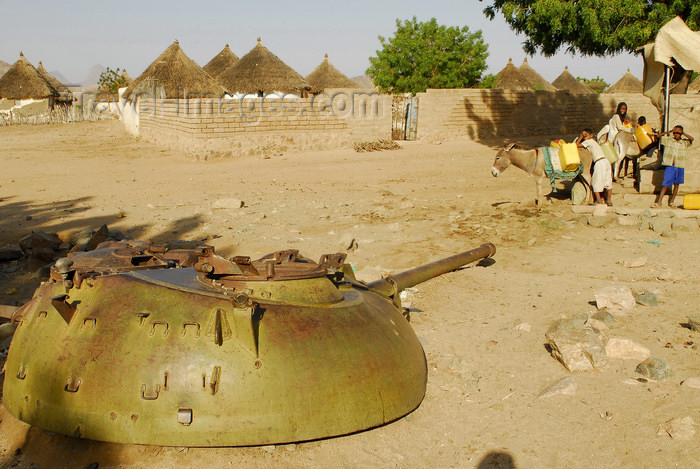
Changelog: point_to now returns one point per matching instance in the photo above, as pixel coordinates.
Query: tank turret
(175, 345)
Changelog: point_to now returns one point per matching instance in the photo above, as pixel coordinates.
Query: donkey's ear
(509, 147)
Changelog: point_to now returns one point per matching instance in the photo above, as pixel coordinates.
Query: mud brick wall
(206, 128)
(483, 114)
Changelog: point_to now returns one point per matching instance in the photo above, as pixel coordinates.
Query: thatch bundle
(535, 79)
(65, 94)
(23, 81)
(627, 84)
(261, 71)
(327, 76)
(173, 75)
(221, 62)
(567, 82)
(510, 78)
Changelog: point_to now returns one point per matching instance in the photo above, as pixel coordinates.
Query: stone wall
(206, 128)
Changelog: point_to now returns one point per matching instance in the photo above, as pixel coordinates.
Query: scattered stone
(394, 227)
(600, 210)
(669, 234)
(10, 252)
(596, 324)
(577, 350)
(599, 222)
(661, 225)
(603, 316)
(644, 223)
(523, 326)
(681, 428)
(582, 208)
(647, 299)
(684, 224)
(654, 368)
(694, 322)
(532, 242)
(693, 382)
(406, 204)
(615, 297)
(577, 321)
(626, 349)
(624, 211)
(228, 203)
(665, 214)
(627, 221)
(645, 214)
(636, 262)
(566, 386)
(269, 448)
(39, 240)
(348, 242)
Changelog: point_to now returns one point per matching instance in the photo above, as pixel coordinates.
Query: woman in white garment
(616, 125)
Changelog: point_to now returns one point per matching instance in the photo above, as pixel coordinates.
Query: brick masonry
(261, 126)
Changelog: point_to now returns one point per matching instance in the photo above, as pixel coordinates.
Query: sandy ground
(403, 208)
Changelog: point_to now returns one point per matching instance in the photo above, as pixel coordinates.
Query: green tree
(424, 55)
(488, 81)
(591, 27)
(110, 81)
(597, 84)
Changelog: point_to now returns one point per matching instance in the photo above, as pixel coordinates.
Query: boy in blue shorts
(675, 154)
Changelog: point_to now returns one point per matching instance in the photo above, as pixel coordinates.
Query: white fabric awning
(675, 44)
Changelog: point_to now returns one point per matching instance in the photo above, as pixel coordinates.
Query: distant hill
(56, 74)
(93, 77)
(4, 66)
(364, 81)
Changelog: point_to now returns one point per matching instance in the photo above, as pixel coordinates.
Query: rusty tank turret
(174, 345)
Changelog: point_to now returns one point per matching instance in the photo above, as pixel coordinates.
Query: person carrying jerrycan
(602, 170)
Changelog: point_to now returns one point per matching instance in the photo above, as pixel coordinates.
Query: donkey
(531, 160)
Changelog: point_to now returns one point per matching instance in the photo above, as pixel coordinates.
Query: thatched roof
(261, 70)
(221, 62)
(172, 74)
(510, 78)
(126, 77)
(23, 81)
(63, 91)
(535, 79)
(567, 82)
(627, 84)
(327, 76)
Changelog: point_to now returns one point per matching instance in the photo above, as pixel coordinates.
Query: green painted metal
(174, 356)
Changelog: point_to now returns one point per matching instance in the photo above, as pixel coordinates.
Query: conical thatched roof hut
(23, 81)
(327, 76)
(510, 78)
(535, 79)
(4, 66)
(172, 75)
(627, 84)
(261, 71)
(126, 77)
(65, 94)
(221, 62)
(567, 82)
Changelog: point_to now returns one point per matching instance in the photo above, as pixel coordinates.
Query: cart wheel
(580, 193)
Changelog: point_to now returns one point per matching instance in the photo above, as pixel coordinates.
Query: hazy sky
(130, 34)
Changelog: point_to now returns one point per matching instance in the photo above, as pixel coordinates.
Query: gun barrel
(394, 284)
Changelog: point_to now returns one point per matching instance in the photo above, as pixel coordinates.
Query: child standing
(674, 156)
(602, 170)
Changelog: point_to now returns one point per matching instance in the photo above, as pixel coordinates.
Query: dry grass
(376, 145)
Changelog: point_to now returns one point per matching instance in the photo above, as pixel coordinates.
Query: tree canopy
(110, 81)
(424, 55)
(591, 27)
